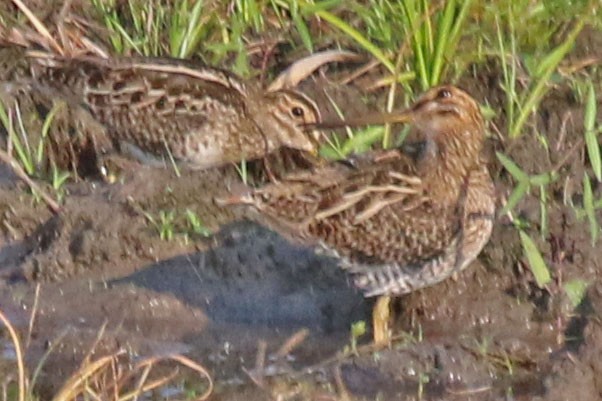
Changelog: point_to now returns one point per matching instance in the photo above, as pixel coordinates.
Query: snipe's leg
(381, 314)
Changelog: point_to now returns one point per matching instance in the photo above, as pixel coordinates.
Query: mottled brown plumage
(202, 116)
(398, 223)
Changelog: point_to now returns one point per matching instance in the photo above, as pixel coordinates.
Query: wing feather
(374, 210)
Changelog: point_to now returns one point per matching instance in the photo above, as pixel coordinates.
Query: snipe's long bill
(404, 116)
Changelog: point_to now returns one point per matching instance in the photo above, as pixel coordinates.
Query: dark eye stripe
(447, 112)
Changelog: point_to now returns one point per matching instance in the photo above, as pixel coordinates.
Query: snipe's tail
(395, 279)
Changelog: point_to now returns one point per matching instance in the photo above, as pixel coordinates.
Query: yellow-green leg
(381, 314)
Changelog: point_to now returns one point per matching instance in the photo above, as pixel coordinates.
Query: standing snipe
(397, 223)
(202, 116)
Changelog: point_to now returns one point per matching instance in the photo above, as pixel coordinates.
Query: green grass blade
(243, 171)
(21, 146)
(543, 211)
(515, 171)
(589, 119)
(186, 29)
(591, 140)
(543, 75)
(458, 26)
(330, 152)
(302, 28)
(126, 38)
(590, 211)
(108, 18)
(536, 263)
(176, 34)
(357, 36)
(45, 128)
(363, 140)
(427, 39)
(412, 17)
(442, 41)
(575, 291)
(10, 129)
(517, 194)
(4, 117)
(254, 15)
(509, 74)
(543, 179)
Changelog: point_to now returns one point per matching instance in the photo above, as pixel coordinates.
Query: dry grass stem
(19, 355)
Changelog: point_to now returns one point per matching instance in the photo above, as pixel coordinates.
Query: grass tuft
(111, 377)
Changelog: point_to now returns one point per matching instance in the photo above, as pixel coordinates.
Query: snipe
(398, 223)
(202, 116)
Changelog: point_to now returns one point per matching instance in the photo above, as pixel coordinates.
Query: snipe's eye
(297, 112)
(443, 94)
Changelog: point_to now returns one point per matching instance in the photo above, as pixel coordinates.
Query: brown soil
(488, 334)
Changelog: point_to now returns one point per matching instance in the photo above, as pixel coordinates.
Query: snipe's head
(445, 109)
(450, 122)
(284, 116)
(452, 125)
